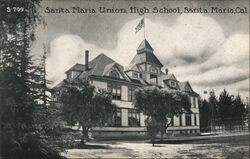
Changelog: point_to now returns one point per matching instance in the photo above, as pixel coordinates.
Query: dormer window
(114, 73)
(135, 75)
(172, 83)
(153, 69)
(68, 75)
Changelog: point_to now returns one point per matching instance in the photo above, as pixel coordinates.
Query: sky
(211, 51)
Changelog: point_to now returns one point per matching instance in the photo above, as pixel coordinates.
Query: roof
(145, 54)
(146, 57)
(76, 67)
(182, 85)
(145, 45)
(186, 87)
(168, 76)
(100, 64)
(81, 67)
(131, 67)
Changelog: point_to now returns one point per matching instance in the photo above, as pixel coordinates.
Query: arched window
(153, 69)
(114, 73)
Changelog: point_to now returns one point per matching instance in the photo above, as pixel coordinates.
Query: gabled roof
(81, 67)
(168, 76)
(131, 68)
(186, 87)
(108, 67)
(100, 64)
(145, 54)
(76, 67)
(145, 45)
(146, 57)
(113, 65)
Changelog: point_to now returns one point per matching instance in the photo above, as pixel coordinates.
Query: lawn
(220, 146)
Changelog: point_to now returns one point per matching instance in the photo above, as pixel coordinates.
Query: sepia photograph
(124, 79)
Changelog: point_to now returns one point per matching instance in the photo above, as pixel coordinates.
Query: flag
(140, 25)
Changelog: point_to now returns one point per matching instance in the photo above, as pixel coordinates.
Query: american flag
(140, 25)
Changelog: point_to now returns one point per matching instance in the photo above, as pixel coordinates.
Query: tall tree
(161, 105)
(213, 110)
(225, 108)
(21, 136)
(205, 116)
(239, 111)
(85, 105)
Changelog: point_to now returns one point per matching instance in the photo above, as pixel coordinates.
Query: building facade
(145, 69)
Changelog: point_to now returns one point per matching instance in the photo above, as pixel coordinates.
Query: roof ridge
(184, 82)
(145, 45)
(100, 56)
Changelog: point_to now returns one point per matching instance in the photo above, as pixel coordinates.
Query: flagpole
(144, 26)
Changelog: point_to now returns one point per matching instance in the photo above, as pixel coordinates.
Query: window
(194, 103)
(153, 79)
(135, 75)
(153, 69)
(68, 75)
(133, 117)
(114, 73)
(172, 121)
(191, 101)
(140, 75)
(118, 114)
(188, 119)
(131, 95)
(195, 120)
(180, 120)
(115, 120)
(172, 83)
(115, 89)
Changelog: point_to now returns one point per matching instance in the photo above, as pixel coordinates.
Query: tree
(21, 134)
(205, 117)
(225, 108)
(213, 110)
(84, 105)
(239, 110)
(160, 105)
(153, 127)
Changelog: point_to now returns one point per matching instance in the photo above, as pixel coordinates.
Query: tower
(146, 63)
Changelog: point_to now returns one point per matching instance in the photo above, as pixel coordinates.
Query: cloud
(65, 51)
(194, 49)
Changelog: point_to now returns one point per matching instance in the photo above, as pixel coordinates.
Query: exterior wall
(160, 81)
(183, 120)
(127, 131)
(192, 120)
(198, 119)
(129, 73)
(147, 77)
(123, 104)
(142, 119)
(124, 91)
(142, 67)
(75, 74)
(176, 121)
(118, 132)
(99, 84)
(124, 117)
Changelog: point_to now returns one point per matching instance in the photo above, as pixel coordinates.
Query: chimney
(86, 60)
(166, 71)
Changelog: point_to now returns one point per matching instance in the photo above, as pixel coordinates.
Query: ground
(217, 146)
